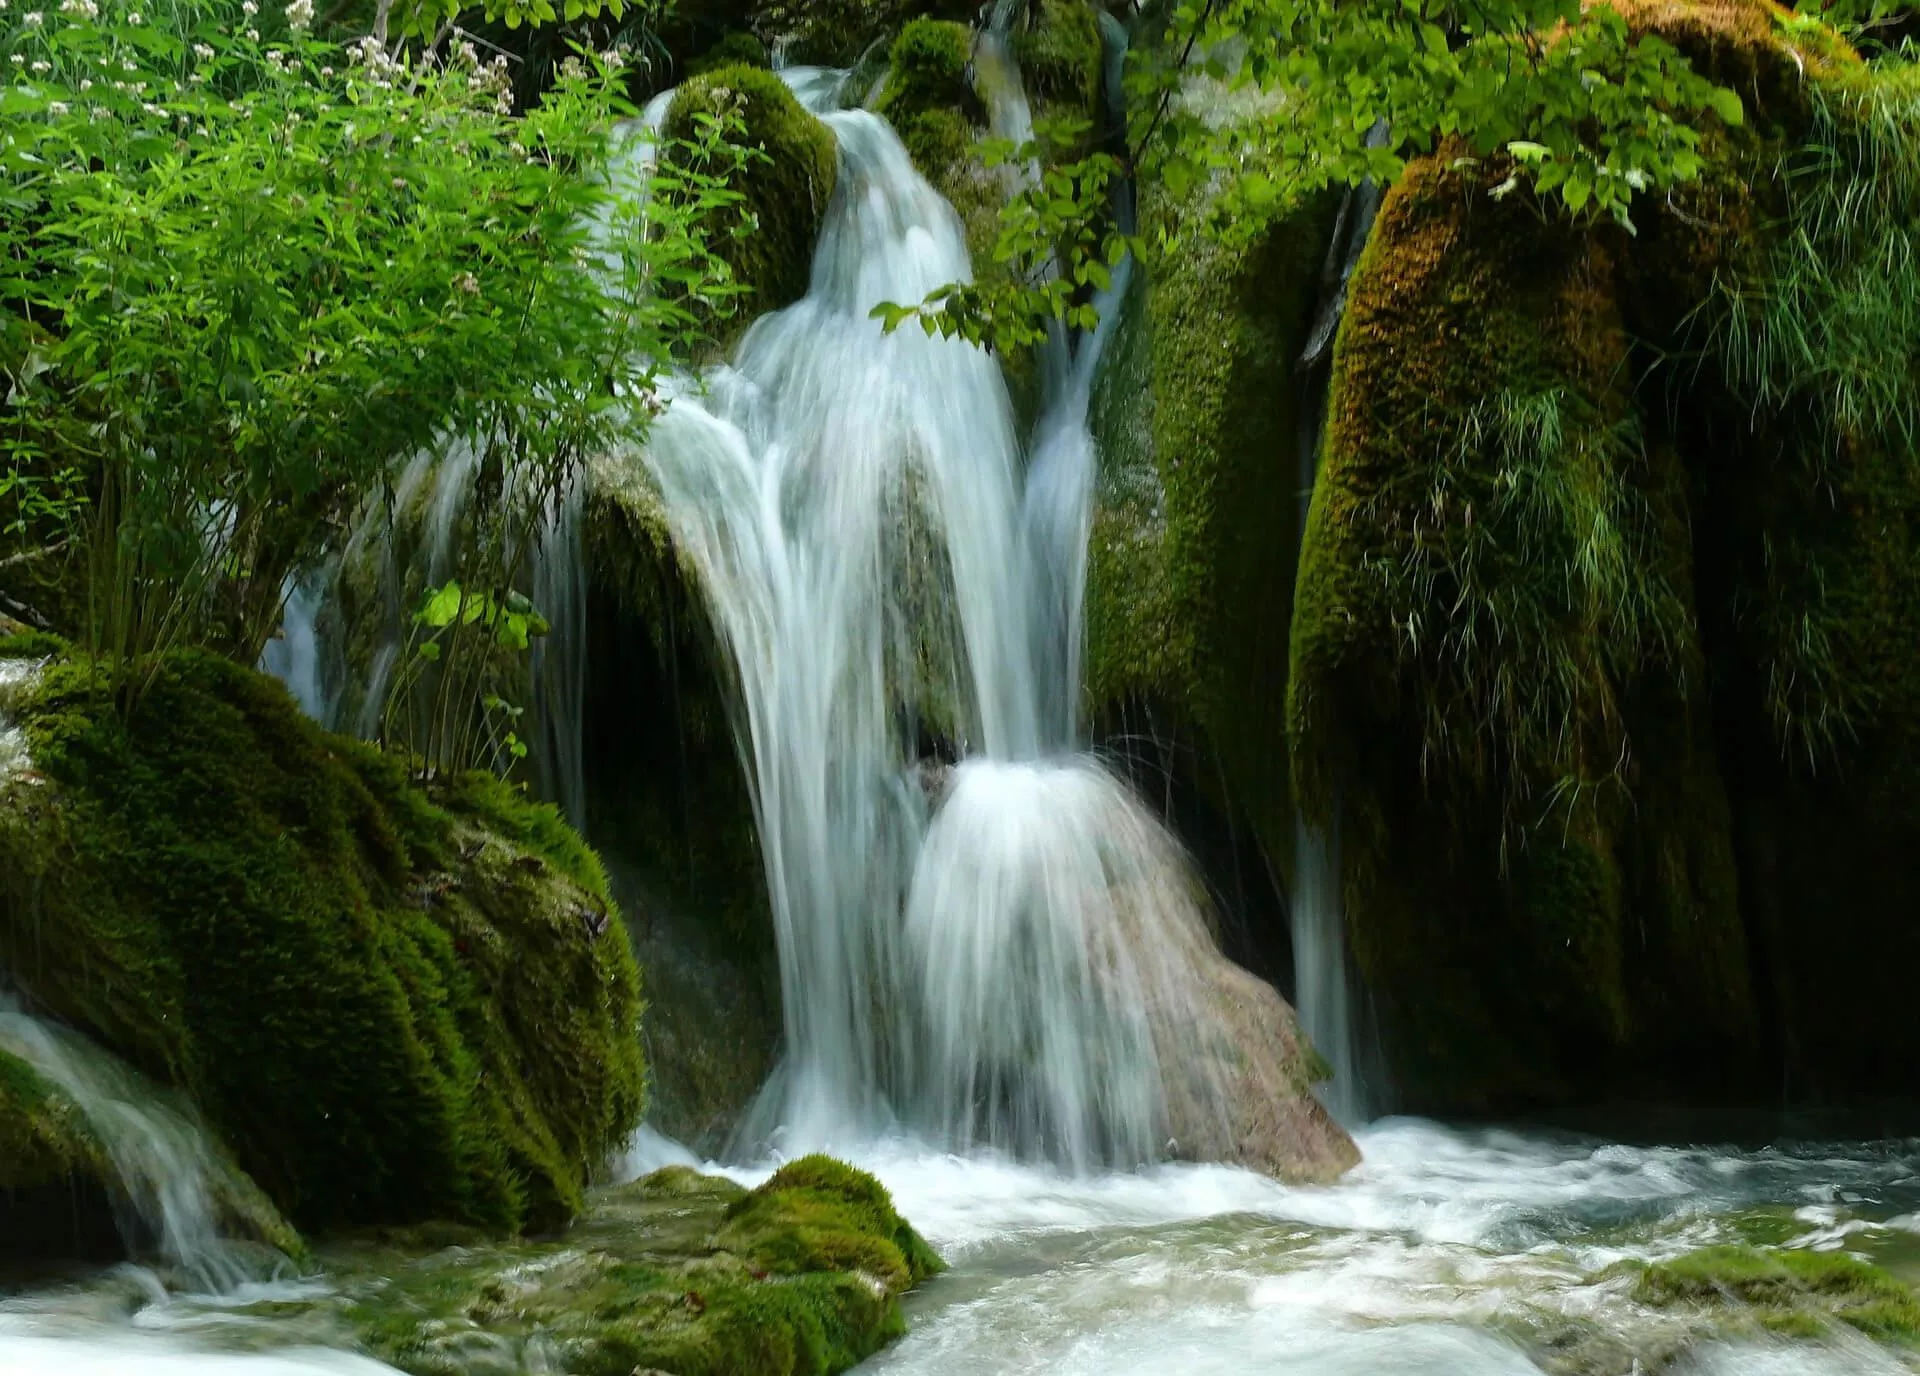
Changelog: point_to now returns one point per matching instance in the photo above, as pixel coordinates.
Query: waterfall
(1007, 950)
(1331, 1013)
(163, 1164)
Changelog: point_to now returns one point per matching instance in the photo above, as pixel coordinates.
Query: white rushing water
(163, 1164)
(1450, 1252)
(1008, 951)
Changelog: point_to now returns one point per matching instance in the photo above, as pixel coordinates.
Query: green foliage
(1833, 323)
(1575, 105)
(247, 273)
(392, 1007)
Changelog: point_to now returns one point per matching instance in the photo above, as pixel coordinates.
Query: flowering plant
(243, 271)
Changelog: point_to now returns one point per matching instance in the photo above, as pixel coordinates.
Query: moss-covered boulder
(679, 1272)
(1791, 1292)
(1602, 664)
(391, 1004)
(767, 239)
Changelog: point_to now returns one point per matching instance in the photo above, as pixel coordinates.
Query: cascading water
(1324, 993)
(1007, 951)
(164, 1165)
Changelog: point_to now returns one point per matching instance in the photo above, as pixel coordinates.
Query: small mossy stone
(767, 240)
(684, 1182)
(928, 72)
(1791, 1291)
(737, 48)
(818, 1213)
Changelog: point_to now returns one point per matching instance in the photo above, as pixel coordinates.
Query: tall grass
(1532, 585)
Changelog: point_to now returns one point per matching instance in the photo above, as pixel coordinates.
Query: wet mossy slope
(391, 1004)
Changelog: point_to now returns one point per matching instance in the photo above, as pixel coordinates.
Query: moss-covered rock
(1791, 1292)
(390, 1005)
(677, 1273)
(767, 240)
(1197, 413)
(1552, 590)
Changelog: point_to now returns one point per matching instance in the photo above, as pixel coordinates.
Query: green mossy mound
(679, 1272)
(1791, 1292)
(766, 241)
(392, 1006)
(737, 48)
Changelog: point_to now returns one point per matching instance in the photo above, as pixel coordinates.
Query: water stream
(996, 960)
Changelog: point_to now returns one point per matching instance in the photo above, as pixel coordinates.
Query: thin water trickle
(163, 1164)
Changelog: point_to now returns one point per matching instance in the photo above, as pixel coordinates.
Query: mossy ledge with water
(392, 1004)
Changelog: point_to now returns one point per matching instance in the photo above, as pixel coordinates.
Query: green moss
(44, 1139)
(767, 240)
(928, 71)
(1794, 1292)
(666, 1274)
(820, 1214)
(836, 33)
(1197, 414)
(391, 1007)
(1799, 428)
(1061, 58)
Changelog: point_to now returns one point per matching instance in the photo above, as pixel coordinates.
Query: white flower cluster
(300, 15)
(203, 52)
(80, 9)
(33, 19)
(369, 53)
(493, 79)
(57, 108)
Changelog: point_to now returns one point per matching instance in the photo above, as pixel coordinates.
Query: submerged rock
(1786, 1291)
(679, 1273)
(392, 1004)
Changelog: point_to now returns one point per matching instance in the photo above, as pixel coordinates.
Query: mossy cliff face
(1802, 438)
(767, 240)
(1197, 413)
(678, 1273)
(1602, 669)
(390, 1005)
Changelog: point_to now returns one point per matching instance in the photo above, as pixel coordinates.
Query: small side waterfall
(1331, 1012)
(163, 1162)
